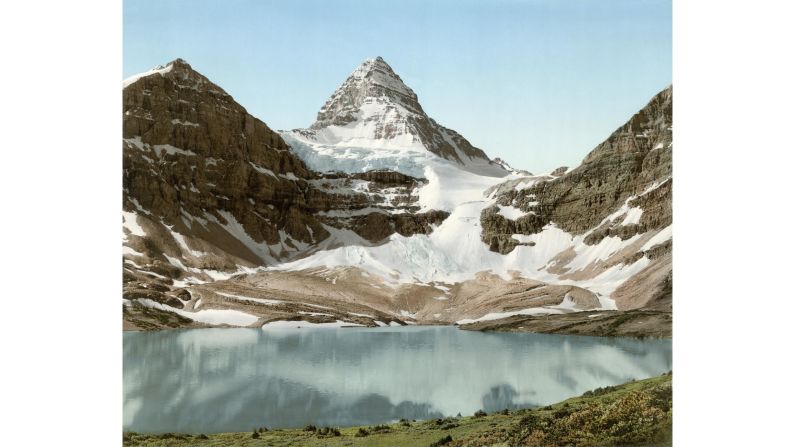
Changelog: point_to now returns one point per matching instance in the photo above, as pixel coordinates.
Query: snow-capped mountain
(376, 214)
(209, 191)
(374, 121)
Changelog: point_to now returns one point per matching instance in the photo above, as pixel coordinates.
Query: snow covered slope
(455, 253)
(210, 191)
(374, 121)
(559, 229)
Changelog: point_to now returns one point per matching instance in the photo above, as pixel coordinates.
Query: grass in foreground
(636, 413)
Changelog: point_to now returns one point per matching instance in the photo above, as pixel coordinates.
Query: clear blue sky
(536, 82)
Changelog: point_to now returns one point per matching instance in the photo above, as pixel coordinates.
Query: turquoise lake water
(219, 380)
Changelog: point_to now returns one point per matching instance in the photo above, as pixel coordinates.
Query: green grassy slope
(635, 413)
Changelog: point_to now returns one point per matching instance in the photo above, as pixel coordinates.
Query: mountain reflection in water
(219, 380)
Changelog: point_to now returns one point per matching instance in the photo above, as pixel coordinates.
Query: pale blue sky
(538, 83)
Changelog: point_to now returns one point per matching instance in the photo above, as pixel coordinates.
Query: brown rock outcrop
(191, 151)
(214, 188)
(633, 164)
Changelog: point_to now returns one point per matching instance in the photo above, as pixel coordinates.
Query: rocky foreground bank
(635, 413)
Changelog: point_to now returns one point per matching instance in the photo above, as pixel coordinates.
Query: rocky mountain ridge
(229, 222)
(622, 190)
(210, 191)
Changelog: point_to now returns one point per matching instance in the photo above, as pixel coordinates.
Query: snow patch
(157, 70)
(183, 123)
(662, 236)
(262, 170)
(125, 250)
(500, 315)
(236, 229)
(208, 316)
(130, 222)
(294, 324)
(184, 244)
(511, 212)
(171, 150)
(633, 216)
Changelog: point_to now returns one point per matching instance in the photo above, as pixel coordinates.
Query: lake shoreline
(639, 323)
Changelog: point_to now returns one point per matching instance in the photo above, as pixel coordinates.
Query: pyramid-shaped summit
(373, 81)
(375, 110)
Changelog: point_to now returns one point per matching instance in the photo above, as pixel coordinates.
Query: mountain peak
(372, 80)
(373, 63)
(178, 65)
(180, 61)
(372, 60)
(181, 73)
(379, 116)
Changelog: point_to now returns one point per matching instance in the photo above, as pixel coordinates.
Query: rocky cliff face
(374, 204)
(622, 189)
(210, 191)
(632, 167)
(191, 152)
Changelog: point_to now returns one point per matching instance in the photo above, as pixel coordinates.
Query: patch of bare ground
(137, 317)
(638, 323)
(348, 295)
